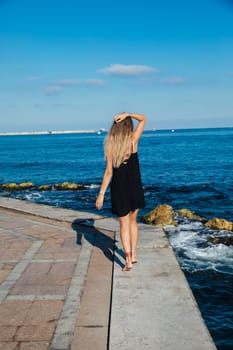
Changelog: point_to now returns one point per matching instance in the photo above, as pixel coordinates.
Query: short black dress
(126, 187)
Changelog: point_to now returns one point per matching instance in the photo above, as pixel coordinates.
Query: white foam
(33, 196)
(193, 226)
(93, 186)
(195, 251)
(185, 239)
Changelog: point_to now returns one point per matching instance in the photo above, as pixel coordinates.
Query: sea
(187, 168)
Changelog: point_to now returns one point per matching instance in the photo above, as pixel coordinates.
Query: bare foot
(134, 259)
(128, 263)
(127, 267)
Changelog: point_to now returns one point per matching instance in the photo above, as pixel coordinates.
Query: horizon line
(51, 132)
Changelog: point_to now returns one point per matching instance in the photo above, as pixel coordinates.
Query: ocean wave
(93, 186)
(32, 196)
(194, 250)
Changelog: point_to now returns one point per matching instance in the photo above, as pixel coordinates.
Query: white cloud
(68, 82)
(61, 84)
(94, 82)
(174, 81)
(74, 82)
(124, 70)
(52, 90)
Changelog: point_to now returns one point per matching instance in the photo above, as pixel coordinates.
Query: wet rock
(190, 215)
(28, 185)
(15, 187)
(227, 240)
(219, 224)
(162, 215)
(69, 186)
(44, 188)
(25, 185)
(10, 187)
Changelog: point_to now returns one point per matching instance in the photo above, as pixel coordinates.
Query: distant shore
(99, 131)
(50, 132)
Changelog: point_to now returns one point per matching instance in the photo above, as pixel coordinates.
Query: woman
(122, 167)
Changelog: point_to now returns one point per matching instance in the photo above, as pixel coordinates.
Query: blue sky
(74, 64)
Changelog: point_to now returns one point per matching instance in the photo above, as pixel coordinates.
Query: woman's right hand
(99, 201)
(121, 116)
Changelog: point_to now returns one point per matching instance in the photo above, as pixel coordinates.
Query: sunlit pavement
(62, 285)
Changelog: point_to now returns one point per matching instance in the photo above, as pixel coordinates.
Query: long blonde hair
(118, 141)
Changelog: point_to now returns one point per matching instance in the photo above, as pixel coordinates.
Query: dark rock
(227, 240)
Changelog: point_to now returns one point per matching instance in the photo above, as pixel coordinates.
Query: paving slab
(152, 305)
(92, 323)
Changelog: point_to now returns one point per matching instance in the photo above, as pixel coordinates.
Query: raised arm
(141, 118)
(139, 128)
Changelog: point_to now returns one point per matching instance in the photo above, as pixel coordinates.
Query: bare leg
(133, 234)
(125, 240)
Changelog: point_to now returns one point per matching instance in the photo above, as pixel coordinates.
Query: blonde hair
(118, 141)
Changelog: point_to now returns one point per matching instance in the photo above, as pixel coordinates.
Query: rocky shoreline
(164, 215)
(29, 185)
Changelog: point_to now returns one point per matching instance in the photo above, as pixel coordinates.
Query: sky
(68, 65)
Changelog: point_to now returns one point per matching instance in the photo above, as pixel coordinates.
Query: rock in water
(10, 187)
(44, 188)
(25, 185)
(190, 214)
(69, 186)
(219, 224)
(227, 240)
(16, 187)
(162, 215)
(30, 185)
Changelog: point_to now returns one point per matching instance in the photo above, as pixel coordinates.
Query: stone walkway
(62, 288)
(46, 268)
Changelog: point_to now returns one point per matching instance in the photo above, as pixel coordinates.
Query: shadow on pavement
(106, 243)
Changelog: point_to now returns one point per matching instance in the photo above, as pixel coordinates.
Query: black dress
(126, 187)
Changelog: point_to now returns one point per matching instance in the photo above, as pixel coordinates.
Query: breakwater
(49, 132)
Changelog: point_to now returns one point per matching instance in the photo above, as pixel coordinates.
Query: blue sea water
(186, 168)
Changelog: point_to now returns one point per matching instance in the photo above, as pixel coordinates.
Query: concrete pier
(62, 285)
